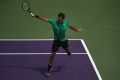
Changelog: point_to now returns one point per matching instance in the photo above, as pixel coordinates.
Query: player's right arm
(40, 18)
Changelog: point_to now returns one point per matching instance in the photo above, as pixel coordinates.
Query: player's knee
(53, 53)
(67, 50)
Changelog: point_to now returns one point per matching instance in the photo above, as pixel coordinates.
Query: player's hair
(61, 15)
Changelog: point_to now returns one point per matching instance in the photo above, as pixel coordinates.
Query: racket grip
(33, 15)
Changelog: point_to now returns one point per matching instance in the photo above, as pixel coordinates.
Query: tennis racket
(26, 6)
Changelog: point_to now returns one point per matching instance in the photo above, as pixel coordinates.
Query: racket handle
(33, 15)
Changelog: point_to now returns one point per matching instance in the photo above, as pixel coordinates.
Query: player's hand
(79, 30)
(32, 14)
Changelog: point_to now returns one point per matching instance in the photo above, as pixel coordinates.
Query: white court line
(34, 53)
(91, 59)
(88, 53)
(32, 39)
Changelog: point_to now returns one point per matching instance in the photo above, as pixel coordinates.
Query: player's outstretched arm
(39, 17)
(75, 29)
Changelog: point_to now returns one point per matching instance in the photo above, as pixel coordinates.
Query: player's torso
(60, 28)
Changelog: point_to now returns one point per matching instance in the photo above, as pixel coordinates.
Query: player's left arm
(74, 28)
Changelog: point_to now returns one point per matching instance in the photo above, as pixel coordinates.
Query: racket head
(26, 6)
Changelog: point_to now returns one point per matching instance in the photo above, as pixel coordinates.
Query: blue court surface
(27, 59)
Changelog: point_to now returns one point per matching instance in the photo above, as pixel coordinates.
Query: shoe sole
(48, 74)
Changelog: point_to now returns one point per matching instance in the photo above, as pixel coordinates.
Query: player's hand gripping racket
(26, 7)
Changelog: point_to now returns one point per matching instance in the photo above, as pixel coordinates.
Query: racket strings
(26, 6)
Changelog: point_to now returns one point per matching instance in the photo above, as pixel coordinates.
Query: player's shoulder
(52, 19)
(65, 22)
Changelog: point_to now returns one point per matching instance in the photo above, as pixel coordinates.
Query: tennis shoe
(48, 73)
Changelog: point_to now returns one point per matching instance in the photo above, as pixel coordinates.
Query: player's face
(60, 20)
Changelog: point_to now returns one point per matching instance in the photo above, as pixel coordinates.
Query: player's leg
(68, 51)
(55, 48)
(50, 62)
(51, 57)
(66, 47)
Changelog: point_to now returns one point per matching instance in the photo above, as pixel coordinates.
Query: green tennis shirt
(59, 29)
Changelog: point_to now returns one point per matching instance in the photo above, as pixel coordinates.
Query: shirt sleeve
(68, 24)
(51, 21)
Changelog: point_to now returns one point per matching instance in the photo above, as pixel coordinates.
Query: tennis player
(59, 28)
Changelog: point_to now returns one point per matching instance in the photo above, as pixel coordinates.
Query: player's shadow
(55, 69)
(38, 69)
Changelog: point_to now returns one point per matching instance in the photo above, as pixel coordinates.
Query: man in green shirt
(60, 40)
